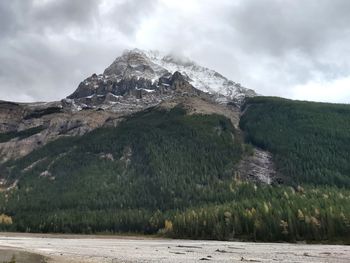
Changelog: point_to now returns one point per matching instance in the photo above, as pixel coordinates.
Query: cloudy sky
(291, 48)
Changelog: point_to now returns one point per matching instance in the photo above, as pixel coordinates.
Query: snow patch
(202, 78)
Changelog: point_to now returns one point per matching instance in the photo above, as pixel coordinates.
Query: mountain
(138, 79)
(159, 145)
(134, 81)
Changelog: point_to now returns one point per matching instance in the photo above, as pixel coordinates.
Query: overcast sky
(290, 48)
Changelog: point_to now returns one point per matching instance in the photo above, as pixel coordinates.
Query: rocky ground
(65, 248)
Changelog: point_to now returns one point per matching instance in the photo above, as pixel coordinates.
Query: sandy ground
(8, 255)
(100, 249)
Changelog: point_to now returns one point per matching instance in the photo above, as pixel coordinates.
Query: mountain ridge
(147, 76)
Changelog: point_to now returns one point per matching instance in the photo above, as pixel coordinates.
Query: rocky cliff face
(128, 94)
(25, 127)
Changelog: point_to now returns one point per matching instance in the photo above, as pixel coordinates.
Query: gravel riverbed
(115, 249)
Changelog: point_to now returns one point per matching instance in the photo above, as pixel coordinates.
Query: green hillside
(155, 159)
(163, 171)
(310, 141)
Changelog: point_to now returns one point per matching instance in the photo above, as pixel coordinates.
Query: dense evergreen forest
(166, 172)
(310, 141)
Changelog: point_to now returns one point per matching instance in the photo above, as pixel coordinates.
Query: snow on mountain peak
(152, 70)
(154, 64)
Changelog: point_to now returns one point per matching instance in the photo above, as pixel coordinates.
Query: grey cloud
(126, 15)
(61, 14)
(47, 47)
(291, 41)
(8, 21)
(278, 27)
(37, 68)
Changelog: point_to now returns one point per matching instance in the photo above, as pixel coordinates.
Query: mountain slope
(164, 170)
(156, 159)
(135, 81)
(28, 126)
(310, 141)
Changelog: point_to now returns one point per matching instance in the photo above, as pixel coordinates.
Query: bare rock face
(129, 94)
(53, 124)
(258, 167)
(10, 115)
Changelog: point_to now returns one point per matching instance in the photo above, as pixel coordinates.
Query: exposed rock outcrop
(54, 125)
(258, 167)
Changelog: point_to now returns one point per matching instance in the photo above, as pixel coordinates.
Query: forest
(310, 141)
(168, 173)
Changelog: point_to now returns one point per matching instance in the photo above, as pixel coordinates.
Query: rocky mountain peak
(145, 78)
(134, 63)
